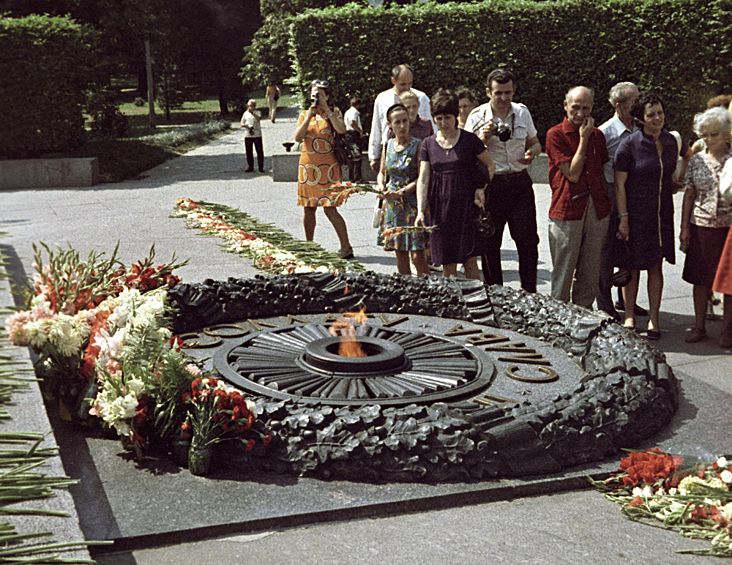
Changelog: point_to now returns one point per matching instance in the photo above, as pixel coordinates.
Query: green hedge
(679, 47)
(44, 64)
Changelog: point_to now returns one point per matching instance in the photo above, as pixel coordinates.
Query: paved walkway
(578, 527)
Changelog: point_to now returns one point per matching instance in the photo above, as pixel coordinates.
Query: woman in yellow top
(319, 168)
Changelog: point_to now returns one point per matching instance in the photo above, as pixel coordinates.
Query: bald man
(580, 207)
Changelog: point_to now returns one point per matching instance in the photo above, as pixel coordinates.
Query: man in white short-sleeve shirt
(508, 132)
(402, 77)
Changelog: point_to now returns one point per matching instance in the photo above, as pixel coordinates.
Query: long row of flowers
(271, 249)
(107, 356)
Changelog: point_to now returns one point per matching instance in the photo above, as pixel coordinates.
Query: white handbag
(376, 220)
(725, 181)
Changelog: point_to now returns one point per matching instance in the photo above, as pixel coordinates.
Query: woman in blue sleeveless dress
(400, 163)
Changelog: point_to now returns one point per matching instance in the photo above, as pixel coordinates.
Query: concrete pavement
(573, 527)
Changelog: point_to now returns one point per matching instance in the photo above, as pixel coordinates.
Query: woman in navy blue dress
(644, 166)
(447, 183)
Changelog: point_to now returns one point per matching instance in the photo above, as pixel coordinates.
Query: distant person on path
(251, 124)
(354, 135)
(706, 216)
(319, 169)
(447, 183)
(272, 95)
(402, 77)
(508, 132)
(644, 168)
(467, 101)
(615, 130)
(400, 165)
(578, 213)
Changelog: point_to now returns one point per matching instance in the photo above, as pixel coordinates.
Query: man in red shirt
(578, 214)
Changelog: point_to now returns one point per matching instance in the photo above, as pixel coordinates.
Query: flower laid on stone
(271, 249)
(695, 499)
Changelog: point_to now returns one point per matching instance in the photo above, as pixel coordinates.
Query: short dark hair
(355, 100)
(445, 102)
(395, 108)
(466, 93)
(638, 109)
(501, 76)
(396, 71)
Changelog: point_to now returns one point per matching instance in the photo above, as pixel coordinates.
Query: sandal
(695, 335)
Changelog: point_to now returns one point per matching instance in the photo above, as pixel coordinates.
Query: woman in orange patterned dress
(319, 168)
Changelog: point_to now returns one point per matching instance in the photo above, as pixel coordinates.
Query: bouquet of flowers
(341, 191)
(66, 311)
(218, 412)
(391, 233)
(695, 499)
(140, 369)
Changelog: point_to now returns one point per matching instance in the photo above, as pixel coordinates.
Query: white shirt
(615, 131)
(505, 154)
(352, 115)
(379, 127)
(251, 125)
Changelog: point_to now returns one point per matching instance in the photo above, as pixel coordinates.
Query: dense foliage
(675, 46)
(45, 66)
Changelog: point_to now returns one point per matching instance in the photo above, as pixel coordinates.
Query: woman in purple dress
(447, 184)
(644, 167)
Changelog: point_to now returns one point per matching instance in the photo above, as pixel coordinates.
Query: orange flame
(345, 327)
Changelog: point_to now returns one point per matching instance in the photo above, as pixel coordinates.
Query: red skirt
(723, 279)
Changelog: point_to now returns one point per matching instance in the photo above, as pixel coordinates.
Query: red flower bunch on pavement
(218, 412)
(648, 466)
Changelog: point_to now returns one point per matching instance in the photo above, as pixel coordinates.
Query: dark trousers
(511, 201)
(604, 296)
(354, 165)
(249, 144)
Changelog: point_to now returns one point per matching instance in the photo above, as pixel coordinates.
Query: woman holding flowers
(446, 181)
(319, 169)
(399, 163)
(706, 216)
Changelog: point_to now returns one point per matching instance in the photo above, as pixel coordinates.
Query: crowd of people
(444, 163)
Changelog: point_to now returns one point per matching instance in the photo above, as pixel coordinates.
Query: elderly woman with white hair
(706, 216)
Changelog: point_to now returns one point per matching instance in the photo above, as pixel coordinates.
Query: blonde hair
(408, 95)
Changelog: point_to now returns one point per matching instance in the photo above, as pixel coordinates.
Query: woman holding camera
(447, 182)
(644, 166)
(319, 169)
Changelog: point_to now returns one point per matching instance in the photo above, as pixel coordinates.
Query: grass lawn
(125, 158)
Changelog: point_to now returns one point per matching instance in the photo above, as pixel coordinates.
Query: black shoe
(261, 170)
(249, 171)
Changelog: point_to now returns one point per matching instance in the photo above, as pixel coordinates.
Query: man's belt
(509, 177)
